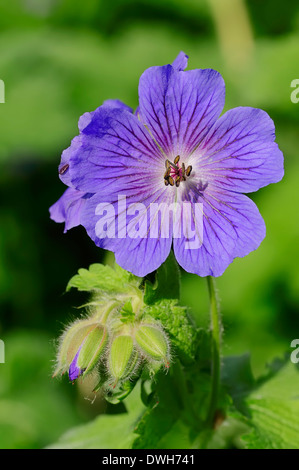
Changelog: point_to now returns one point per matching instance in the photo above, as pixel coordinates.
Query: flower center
(176, 172)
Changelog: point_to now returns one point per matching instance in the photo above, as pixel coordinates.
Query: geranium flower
(174, 149)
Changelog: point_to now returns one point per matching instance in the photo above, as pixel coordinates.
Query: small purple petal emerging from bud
(74, 370)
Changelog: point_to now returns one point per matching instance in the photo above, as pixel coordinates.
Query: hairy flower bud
(153, 343)
(89, 352)
(80, 348)
(122, 357)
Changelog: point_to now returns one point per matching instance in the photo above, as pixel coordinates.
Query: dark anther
(176, 173)
(167, 173)
(63, 169)
(188, 171)
(183, 172)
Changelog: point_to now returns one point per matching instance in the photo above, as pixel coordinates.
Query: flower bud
(153, 343)
(80, 348)
(89, 352)
(122, 357)
(69, 344)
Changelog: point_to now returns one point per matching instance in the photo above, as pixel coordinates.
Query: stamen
(63, 169)
(188, 171)
(176, 173)
(167, 173)
(173, 165)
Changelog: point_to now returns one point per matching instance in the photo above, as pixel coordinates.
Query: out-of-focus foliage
(260, 414)
(33, 408)
(62, 58)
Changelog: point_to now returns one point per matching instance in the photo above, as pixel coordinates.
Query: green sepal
(153, 342)
(120, 356)
(92, 348)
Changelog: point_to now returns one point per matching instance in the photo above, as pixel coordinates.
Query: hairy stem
(216, 347)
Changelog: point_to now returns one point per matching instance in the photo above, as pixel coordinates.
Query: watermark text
(2, 352)
(155, 221)
(295, 93)
(295, 353)
(2, 92)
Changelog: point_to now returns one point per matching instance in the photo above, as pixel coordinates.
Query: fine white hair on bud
(80, 347)
(69, 343)
(153, 343)
(123, 359)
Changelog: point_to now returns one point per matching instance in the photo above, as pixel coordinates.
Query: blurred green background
(61, 58)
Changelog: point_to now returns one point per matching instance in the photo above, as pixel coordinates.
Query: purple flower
(75, 371)
(175, 149)
(69, 207)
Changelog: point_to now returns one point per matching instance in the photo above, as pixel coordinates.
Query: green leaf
(173, 418)
(273, 409)
(106, 431)
(227, 436)
(104, 278)
(255, 440)
(269, 405)
(167, 282)
(237, 376)
(159, 418)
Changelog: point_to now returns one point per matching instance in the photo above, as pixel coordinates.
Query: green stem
(216, 346)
